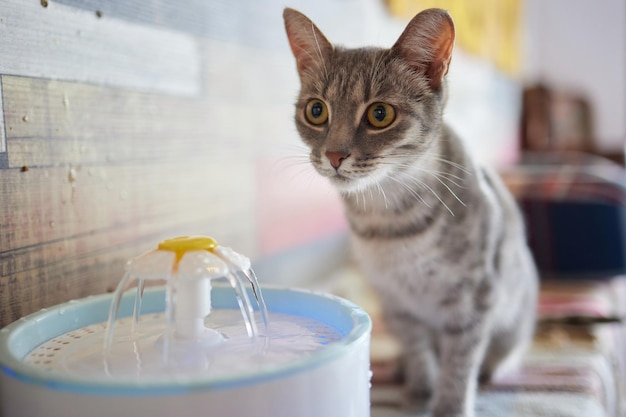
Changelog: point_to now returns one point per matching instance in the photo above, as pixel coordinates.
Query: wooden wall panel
(53, 122)
(52, 40)
(3, 143)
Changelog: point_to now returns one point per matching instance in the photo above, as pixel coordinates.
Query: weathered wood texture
(96, 175)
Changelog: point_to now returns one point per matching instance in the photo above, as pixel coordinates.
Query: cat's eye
(380, 115)
(316, 112)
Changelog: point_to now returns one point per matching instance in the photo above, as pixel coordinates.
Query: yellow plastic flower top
(183, 244)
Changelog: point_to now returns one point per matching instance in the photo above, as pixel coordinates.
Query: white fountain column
(191, 296)
(191, 305)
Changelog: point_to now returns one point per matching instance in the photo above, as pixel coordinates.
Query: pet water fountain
(181, 337)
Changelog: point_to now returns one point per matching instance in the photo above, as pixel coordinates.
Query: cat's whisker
(303, 173)
(291, 161)
(376, 68)
(446, 175)
(358, 195)
(451, 163)
(292, 167)
(317, 62)
(450, 190)
(407, 165)
(442, 177)
(369, 190)
(362, 192)
(410, 190)
(430, 154)
(291, 148)
(382, 191)
(438, 157)
(442, 173)
(302, 178)
(439, 175)
(438, 198)
(434, 193)
(319, 49)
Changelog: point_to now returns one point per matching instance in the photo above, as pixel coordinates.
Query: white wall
(581, 45)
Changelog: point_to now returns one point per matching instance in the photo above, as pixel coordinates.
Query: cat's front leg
(462, 346)
(420, 369)
(420, 362)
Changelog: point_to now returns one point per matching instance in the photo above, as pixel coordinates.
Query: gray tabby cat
(439, 237)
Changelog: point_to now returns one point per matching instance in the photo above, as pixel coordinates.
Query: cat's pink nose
(336, 158)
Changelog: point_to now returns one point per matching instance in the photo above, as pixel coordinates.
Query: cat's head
(367, 113)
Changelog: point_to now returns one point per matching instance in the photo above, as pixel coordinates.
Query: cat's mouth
(347, 184)
(341, 181)
(338, 178)
(346, 180)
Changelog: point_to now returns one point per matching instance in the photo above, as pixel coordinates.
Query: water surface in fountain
(137, 352)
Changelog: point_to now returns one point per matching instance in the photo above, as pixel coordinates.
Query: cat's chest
(410, 274)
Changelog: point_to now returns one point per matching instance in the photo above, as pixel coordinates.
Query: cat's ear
(308, 44)
(426, 44)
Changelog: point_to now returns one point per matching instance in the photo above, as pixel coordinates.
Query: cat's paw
(449, 410)
(416, 400)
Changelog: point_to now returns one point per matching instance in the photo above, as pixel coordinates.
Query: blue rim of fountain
(25, 334)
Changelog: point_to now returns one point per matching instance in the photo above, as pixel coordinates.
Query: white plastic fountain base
(332, 381)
